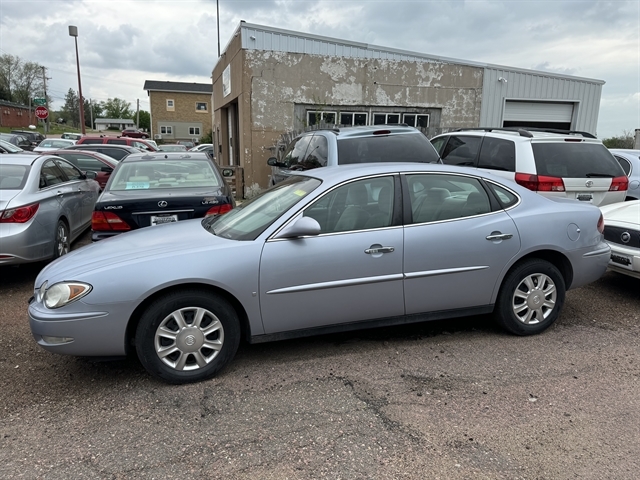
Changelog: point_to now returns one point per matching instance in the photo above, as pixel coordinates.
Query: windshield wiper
(604, 175)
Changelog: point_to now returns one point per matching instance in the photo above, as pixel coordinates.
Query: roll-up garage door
(533, 114)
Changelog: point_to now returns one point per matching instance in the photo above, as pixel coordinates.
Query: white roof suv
(362, 144)
(551, 162)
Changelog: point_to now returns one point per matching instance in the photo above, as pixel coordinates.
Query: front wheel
(531, 297)
(187, 336)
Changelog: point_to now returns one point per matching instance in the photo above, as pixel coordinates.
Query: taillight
(601, 224)
(219, 209)
(19, 214)
(108, 221)
(619, 184)
(540, 183)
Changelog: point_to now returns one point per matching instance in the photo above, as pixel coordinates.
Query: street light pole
(73, 32)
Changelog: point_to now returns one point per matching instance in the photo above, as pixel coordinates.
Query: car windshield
(56, 143)
(386, 148)
(249, 220)
(13, 177)
(149, 175)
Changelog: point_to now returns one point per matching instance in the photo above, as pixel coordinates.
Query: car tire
(62, 241)
(187, 336)
(531, 297)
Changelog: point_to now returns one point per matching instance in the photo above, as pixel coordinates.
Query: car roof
(146, 156)
(99, 155)
(365, 130)
(21, 158)
(525, 133)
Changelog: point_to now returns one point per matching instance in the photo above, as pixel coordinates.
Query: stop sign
(42, 112)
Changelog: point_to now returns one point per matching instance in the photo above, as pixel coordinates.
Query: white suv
(570, 164)
(363, 144)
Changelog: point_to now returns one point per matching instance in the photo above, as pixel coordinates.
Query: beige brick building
(179, 110)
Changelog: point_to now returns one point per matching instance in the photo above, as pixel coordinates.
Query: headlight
(63, 293)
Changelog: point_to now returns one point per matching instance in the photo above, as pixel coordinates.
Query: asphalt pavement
(443, 400)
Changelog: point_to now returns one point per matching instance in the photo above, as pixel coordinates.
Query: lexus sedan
(622, 233)
(327, 250)
(149, 189)
(45, 204)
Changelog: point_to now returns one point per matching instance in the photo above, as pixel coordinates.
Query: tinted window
(575, 160)
(317, 153)
(461, 150)
(296, 151)
(83, 162)
(50, 175)
(445, 197)
(497, 154)
(624, 163)
(91, 141)
(114, 152)
(116, 141)
(70, 171)
(386, 148)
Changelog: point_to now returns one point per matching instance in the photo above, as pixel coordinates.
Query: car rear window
(150, 175)
(575, 160)
(13, 177)
(386, 148)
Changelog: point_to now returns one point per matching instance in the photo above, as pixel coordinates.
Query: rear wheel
(531, 297)
(62, 243)
(187, 336)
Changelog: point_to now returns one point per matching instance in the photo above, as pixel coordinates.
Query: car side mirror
(273, 162)
(228, 172)
(302, 227)
(90, 175)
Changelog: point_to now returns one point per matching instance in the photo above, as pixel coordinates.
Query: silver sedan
(345, 248)
(45, 203)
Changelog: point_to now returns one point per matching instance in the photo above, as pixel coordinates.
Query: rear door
(587, 169)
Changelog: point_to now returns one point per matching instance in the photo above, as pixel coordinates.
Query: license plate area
(620, 259)
(161, 219)
(584, 197)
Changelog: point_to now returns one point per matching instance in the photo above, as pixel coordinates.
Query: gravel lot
(443, 400)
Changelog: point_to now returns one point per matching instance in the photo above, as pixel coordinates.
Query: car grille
(615, 235)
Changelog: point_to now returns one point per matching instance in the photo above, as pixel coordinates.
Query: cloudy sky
(122, 43)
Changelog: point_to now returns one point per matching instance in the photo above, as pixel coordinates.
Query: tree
(20, 81)
(145, 120)
(71, 109)
(626, 140)
(117, 108)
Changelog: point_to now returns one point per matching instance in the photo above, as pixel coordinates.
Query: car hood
(160, 242)
(627, 213)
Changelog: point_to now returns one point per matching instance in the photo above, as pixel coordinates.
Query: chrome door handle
(372, 251)
(60, 193)
(499, 236)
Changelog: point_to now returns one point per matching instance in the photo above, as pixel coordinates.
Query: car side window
(69, 170)
(360, 205)
(438, 144)
(624, 163)
(91, 141)
(84, 162)
(114, 153)
(461, 150)
(50, 174)
(497, 154)
(505, 197)
(296, 151)
(117, 141)
(445, 197)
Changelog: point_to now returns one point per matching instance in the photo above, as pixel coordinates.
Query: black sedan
(154, 188)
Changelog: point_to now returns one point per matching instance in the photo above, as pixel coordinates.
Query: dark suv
(34, 137)
(364, 144)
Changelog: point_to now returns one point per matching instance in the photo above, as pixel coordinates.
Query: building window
(170, 105)
(194, 130)
(353, 118)
(416, 120)
(201, 106)
(166, 130)
(316, 117)
(386, 118)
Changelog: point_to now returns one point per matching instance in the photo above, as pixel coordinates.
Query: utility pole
(91, 110)
(46, 100)
(138, 114)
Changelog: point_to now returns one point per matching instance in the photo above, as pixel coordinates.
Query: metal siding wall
(523, 86)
